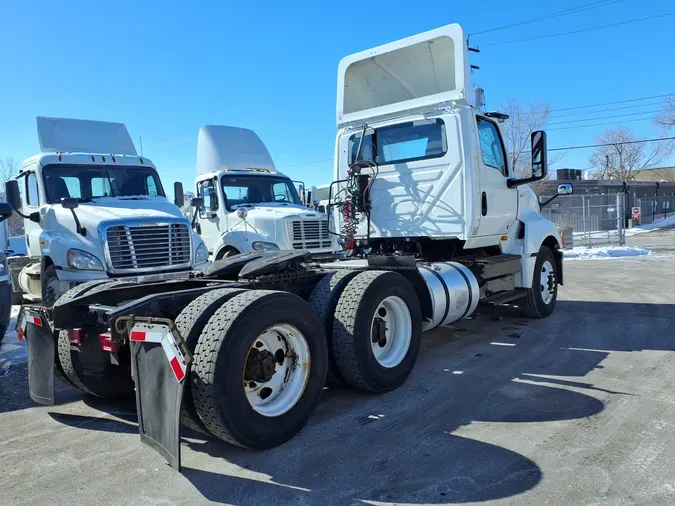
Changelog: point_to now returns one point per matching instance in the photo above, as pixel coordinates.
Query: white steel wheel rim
(547, 282)
(394, 313)
(286, 385)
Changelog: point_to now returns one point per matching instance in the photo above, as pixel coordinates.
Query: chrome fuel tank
(453, 290)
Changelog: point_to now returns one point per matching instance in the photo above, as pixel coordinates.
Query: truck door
(209, 219)
(499, 203)
(30, 200)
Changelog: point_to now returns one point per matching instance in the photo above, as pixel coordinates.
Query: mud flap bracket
(159, 364)
(32, 324)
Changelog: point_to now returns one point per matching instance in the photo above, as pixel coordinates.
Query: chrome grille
(309, 234)
(148, 246)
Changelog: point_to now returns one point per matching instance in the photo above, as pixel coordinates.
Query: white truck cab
(425, 166)
(247, 204)
(94, 209)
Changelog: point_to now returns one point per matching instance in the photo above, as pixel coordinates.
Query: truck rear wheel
(323, 300)
(190, 323)
(87, 366)
(70, 295)
(377, 331)
(541, 297)
(259, 369)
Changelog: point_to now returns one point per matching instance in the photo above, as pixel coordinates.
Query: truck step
(504, 297)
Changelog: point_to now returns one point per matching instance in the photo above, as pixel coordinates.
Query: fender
(240, 239)
(538, 232)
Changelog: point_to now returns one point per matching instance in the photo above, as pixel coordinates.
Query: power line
(550, 35)
(610, 103)
(574, 10)
(612, 144)
(602, 117)
(600, 124)
(611, 109)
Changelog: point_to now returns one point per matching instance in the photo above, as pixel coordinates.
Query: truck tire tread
(322, 301)
(346, 344)
(532, 305)
(207, 354)
(190, 323)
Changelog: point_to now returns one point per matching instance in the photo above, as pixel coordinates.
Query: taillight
(75, 336)
(107, 344)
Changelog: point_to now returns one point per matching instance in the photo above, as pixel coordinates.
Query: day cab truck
(95, 210)
(5, 280)
(432, 220)
(248, 205)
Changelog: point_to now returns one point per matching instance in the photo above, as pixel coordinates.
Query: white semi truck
(249, 205)
(95, 210)
(433, 220)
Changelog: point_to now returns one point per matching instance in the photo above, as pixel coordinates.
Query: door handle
(484, 204)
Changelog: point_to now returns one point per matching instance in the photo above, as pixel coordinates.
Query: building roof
(657, 174)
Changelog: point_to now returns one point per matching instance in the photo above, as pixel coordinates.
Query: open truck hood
(424, 70)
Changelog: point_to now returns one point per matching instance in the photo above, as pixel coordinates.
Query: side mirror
(197, 202)
(322, 209)
(5, 211)
(13, 195)
(70, 203)
(178, 194)
(565, 189)
(539, 156)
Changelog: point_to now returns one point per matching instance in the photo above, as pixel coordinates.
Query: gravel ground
(574, 409)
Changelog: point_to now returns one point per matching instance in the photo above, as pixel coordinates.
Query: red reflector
(20, 334)
(75, 336)
(107, 344)
(177, 369)
(37, 321)
(137, 336)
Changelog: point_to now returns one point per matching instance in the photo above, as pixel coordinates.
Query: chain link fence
(588, 220)
(653, 208)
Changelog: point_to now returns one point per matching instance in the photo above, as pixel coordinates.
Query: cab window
(207, 191)
(32, 193)
(491, 147)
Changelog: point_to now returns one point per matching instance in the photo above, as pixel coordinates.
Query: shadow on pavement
(407, 446)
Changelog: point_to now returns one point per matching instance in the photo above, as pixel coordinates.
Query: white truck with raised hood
(247, 204)
(95, 210)
(433, 222)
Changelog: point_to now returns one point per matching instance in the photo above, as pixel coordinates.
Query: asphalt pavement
(574, 409)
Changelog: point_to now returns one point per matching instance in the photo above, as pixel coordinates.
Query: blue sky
(166, 68)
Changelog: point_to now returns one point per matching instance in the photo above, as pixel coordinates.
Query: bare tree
(619, 156)
(9, 168)
(667, 116)
(523, 120)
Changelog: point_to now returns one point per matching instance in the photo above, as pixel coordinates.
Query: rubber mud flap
(158, 400)
(41, 352)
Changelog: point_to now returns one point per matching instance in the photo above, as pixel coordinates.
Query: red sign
(636, 213)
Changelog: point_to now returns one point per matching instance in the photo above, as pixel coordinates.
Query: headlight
(202, 254)
(264, 246)
(81, 260)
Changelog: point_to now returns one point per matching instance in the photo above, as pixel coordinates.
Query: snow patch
(606, 252)
(656, 225)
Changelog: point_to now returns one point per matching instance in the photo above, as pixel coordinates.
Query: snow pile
(606, 252)
(656, 225)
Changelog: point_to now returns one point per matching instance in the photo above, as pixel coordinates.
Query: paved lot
(575, 409)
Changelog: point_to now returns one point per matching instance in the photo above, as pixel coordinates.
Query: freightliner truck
(432, 221)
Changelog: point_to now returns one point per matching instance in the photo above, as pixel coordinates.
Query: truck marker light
(75, 336)
(107, 344)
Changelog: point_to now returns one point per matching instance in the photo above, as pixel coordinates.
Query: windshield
(88, 182)
(240, 190)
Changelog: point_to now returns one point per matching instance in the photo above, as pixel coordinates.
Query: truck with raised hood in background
(95, 210)
(249, 205)
(434, 222)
